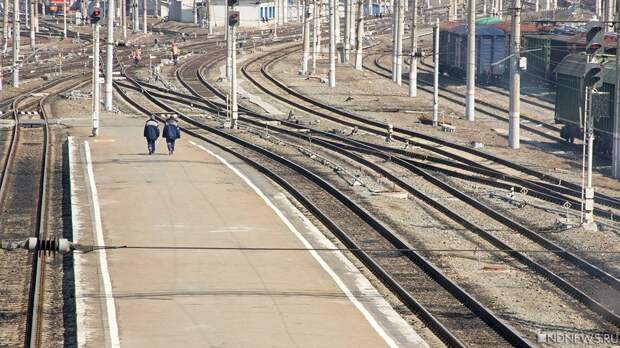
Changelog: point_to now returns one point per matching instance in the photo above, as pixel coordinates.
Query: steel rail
(576, 190)
(497, 324)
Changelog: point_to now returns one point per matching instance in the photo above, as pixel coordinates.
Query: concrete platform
(206, 298)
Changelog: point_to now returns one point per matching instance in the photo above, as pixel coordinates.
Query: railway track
(487, 108)
(559, 281)
(358, 229)
(24, 205)
(24, 202)
(605, 280)
(427, 142)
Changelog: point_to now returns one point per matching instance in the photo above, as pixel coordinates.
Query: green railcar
(570, 96)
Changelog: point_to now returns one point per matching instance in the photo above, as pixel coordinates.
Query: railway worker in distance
(151, 133)
(172, 132)
(175, 53)
(137, 55)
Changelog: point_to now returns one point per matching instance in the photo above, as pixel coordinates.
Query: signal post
(95, 17)
(233, 22)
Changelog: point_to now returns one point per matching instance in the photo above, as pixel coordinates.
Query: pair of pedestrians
(171, 133)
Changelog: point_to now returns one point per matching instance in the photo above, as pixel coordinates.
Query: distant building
(253, 13)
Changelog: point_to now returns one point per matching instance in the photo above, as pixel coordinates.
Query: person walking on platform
(151, 133)
(172, 132)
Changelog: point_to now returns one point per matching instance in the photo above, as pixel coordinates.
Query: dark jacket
(151, 130)
(172, 130)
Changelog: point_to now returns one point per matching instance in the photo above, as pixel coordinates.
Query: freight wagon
(570, 96)
(492, 45)
(552, 48)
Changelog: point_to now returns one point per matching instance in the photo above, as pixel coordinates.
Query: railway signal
(592, 81)
(233, 22)
(95, 15)
(594, 39)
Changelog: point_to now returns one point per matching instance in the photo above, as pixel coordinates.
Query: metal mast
(413, 67)
(306, 14)
(332, 45)
(16, 43)
(471, 61)
(515, 78)
(360, 35)
(109, 57)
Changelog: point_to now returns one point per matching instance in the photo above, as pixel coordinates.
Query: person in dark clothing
(172, 132)
(151, 133)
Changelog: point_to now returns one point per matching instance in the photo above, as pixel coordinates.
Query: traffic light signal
(232, 3)
(233, 18)
(95, 16)
(594, 39)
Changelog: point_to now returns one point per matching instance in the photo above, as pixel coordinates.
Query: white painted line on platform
(371, 320)
(103, 261)
(78, 258)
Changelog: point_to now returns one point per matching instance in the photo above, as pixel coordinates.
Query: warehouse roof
(480, 30)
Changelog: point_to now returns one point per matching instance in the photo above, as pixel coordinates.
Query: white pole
(210, 17)
(515, 79)
(64, 19)
(5, 25)
(195, 12)
(394, 38)
(471, 61)
(597, 9)
(228, 46)
(332, 45)
(436, 74)
(124, 18)
(360, 35)
(315, 32)
(144, 13)
(589, 224)
(347, 30)
(33, 18)
(285, 11)
(413, 67)
(306, 14)
(109, 57)
(134, 16)
(15, 43)
(95, 130)
(399, 42)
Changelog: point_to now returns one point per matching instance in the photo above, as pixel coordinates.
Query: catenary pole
(33, 17)
(436, 73)
(144, 13)
(471, 61)
(124, 18)
(332, 44)
(134, 16)
(195, 12)
(306, 14)
(413, 67)
(515, 79)
(316, 25)
(615, 168)
(109, 57)
(347, 31)
(64, 19)
(228, 45)
(394, 38)
(5, 25)
(399, 42)
(360, 35)
(16, 43)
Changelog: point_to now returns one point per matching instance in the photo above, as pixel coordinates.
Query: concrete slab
(204, 298)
